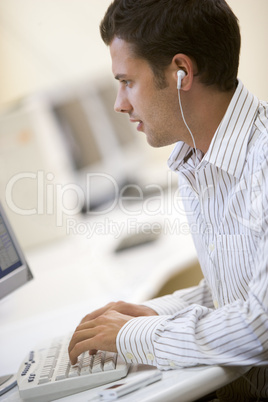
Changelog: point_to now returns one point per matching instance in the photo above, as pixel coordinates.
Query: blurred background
(44, 43)
(56, 97)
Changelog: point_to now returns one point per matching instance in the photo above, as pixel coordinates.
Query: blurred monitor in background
(103, 148)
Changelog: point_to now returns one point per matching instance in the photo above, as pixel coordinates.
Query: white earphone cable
(186, 125)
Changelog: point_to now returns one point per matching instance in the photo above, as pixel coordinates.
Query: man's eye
(125, 82)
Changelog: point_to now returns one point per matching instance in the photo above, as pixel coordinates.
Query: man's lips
(140, 123)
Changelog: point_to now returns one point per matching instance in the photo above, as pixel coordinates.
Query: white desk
(77, 275)
(177, 385)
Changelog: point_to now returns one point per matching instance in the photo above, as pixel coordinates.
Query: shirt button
(150, 356)
(129, 356)
(216, 303)
(172, 364)
(211, 247)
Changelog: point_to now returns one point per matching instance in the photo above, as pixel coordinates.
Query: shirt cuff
(135, 339)
(166, 305)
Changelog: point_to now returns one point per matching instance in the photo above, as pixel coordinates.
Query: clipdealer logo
(44, 196)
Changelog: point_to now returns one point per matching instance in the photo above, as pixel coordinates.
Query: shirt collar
(229, 144)
(178, 155)
(228, 147)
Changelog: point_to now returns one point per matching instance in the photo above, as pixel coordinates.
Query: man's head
(205, 30)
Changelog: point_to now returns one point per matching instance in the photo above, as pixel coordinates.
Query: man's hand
(134, 310)
(98, 330)
(99, 333)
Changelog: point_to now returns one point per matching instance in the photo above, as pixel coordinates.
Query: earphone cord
(186, 125)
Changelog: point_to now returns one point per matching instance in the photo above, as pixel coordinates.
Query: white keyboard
(47, 374)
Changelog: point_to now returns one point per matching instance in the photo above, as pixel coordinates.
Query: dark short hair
(206, 30)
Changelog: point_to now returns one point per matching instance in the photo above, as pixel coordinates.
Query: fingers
(98, 330)
(91, 336)
(98, 312)
(81, 342)
(97, 334)
(94, 314)
(134, 310)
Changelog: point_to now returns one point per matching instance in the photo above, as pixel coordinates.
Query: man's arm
(170, 304)
(99, 329)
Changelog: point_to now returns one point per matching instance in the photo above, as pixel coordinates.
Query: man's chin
(154, 142)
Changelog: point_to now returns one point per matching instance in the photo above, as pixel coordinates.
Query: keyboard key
(110, 361)
(43, 380)
(53, 352)
(60, 376)
(98, 362)
(49, 362)
(85, 370)
(74, 371)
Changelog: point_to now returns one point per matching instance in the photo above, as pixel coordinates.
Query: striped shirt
(224, 320)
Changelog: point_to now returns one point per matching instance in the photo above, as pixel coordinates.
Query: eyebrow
(120, 76)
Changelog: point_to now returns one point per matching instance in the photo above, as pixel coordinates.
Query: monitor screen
(101, 146)
(78, 134)
(14, 271)
(92, 131)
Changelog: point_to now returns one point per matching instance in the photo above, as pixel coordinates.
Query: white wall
(46, 42)
(254, 56)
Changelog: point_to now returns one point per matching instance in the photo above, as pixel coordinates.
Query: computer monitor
(14, 270)
(103, 148)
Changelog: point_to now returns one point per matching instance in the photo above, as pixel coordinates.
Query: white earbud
(180, 74)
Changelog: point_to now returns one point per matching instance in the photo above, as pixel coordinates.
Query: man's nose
(122, 105)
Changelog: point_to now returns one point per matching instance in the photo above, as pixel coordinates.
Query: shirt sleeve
(170, 304)
(135, 341)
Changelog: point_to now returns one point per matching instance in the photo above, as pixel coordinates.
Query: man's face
(155, 110)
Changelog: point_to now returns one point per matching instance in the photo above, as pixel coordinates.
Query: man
(176, 62)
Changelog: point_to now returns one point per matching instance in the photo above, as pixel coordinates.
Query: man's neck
(206, 109)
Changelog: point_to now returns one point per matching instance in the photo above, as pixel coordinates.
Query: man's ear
(182, 63)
